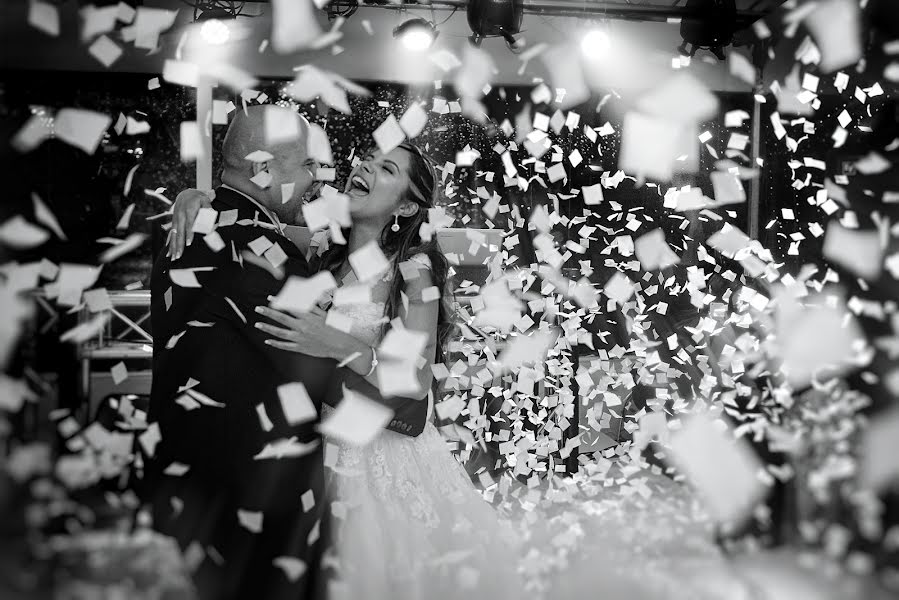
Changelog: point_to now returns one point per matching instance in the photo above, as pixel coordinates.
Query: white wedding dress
(408, 522)
(410, 525)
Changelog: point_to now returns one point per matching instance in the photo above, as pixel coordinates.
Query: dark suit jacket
(219, 347)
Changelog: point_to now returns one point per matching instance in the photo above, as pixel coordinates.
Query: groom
(257, 527)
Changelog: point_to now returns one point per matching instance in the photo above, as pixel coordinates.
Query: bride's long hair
(399, 246)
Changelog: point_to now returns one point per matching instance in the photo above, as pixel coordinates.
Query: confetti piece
(318, 146)
(105, 51)
(97, 20)
(214, 241)
(262, 179)
(735, 118)
(296, 403)
(312, 82)
(178, 72)
(836, 27)
(307, 499)
(814, 339)
(860, 252)
(259, 156)
(250, 520)
(119, 373)
(286, 448)
(300, 295)
(293, 568)
(147, 26)
(730, 241)
(728, 188)
(18, 233)
(723, 470)
(474, 74)
(413, 120)
(592, 194)
(132, 242)
(184, 278)
(81, 128)
(566, 74)
(389, 135)
(740, 67)
(135, 127)
(650, 146)
(879, 467)
(32, 134)
(526, 349)
(45, 217)
(681, 99)
(150, 438)
(44, 17)
(332, 209)
(294, 25)
(403, 344)
(191, 141)
(14, 393)
(356, 420)
(205, 221)
(872, 164)
(445, 59)
(619, 288)
(264, 421)
(653, 251)
(97, 300)
(260, 245)
(368, 261)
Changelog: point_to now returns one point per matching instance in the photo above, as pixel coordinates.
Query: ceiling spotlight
(416, 34)
(595, 44)
(214, 28)
(215, 32)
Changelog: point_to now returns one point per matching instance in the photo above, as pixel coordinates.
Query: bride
(407, 521)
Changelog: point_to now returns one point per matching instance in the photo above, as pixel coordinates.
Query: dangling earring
(396, 224)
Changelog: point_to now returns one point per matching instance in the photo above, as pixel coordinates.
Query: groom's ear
(259, 167)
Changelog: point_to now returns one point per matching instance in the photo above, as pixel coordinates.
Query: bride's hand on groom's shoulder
(306, 333)
(184, 213)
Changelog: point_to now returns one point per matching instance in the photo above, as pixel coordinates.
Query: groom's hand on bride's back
(184, 213)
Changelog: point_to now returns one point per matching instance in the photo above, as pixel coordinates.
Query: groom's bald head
(280, 133)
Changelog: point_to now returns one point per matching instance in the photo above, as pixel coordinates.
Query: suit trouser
(238, 563)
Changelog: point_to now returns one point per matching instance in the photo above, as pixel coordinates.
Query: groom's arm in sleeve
(237, 289)
(409, 416)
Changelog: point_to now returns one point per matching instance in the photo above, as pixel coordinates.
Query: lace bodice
(367, 320)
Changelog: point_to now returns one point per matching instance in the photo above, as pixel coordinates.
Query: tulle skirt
(409, 524)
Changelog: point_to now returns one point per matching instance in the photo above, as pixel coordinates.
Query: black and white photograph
(449, 300)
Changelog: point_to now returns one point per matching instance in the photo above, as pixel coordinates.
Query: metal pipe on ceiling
(573, 8)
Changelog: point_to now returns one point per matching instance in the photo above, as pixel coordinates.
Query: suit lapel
(226, 200)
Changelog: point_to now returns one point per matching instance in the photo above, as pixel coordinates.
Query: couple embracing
(395, 518)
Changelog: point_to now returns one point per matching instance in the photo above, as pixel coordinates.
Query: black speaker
(491, 18)
(708, 24)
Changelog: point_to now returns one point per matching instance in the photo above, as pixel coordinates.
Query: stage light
(495, 18)
(215, 32)
(416, 34)
(214, 28)
(595, 44)
(710, 24)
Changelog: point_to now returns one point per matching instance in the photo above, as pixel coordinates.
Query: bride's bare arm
(307, 333)
(421, 316)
